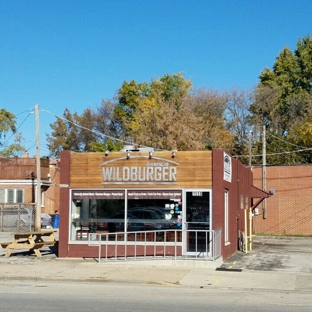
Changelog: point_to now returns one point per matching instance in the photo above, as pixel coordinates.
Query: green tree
(183, 121)
(15, 149)
(130, 96)
(127, 101)
(159, 124)
(237, 116)
(282, 102)
(174, 87)
(65, 134)
(7, 123)
(85, 129)
(92, 131)
(209, 106)
(109, 134)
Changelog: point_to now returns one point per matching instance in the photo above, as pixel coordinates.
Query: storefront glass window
(93, 215)
(95, 211)
(146, 211)
(156, 214)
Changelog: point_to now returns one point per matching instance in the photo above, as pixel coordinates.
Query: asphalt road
(283, 254)
(31, 296)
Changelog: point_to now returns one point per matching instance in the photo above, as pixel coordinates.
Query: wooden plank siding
(194, 168)
(22, 168)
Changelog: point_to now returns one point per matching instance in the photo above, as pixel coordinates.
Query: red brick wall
(289, 210)
(239, 189)
(64, 203)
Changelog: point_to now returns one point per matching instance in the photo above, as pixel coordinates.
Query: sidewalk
(188, 273)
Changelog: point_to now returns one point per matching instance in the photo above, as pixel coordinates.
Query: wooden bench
(5, 244)
(33, 241)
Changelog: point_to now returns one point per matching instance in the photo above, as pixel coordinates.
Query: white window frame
(14, 194)
(42, 198)
(226, 217)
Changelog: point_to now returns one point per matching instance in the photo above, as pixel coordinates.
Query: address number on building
(197, 193)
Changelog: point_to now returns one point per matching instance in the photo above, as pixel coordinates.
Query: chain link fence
(17, 217)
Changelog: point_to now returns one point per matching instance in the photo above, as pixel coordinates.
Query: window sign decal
(98, 194)
(155, 194)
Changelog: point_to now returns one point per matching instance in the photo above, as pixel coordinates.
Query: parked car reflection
(199, 221)
(138, 220)
(152, 220)
(117, 223)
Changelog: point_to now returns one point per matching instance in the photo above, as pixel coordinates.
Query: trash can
(46, 221)
(56, 221)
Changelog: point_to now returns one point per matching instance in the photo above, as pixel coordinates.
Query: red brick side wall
(64, 201)
(239, 188)
(289, 210)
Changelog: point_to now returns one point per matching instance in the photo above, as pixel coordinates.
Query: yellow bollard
(250, 229)
(246, 232)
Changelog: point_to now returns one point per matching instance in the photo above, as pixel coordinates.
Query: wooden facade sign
(139, 170)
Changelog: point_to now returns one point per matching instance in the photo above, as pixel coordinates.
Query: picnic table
(33, 241)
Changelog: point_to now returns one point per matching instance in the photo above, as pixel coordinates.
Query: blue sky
(72, 54)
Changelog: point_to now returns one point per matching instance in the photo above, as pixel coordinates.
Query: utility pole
(250, 138)
(264, 170)
(38, 165)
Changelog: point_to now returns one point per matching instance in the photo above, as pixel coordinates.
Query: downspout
(264, 208)
(250, 228)
(246, 234)
(238, 217)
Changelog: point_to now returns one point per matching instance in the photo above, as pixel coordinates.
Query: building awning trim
(258, 193)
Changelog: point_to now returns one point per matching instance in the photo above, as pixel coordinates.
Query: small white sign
(227, 167)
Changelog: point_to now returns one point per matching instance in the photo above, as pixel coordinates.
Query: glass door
(197, 216)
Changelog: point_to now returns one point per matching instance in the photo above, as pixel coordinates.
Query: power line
(30, 110)
(90, 130)
(4, 144)
(272, 154)
(284, 140)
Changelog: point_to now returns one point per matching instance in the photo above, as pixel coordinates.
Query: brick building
(18, 188)
(289, 211)
(115, 194)
(18, 180)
